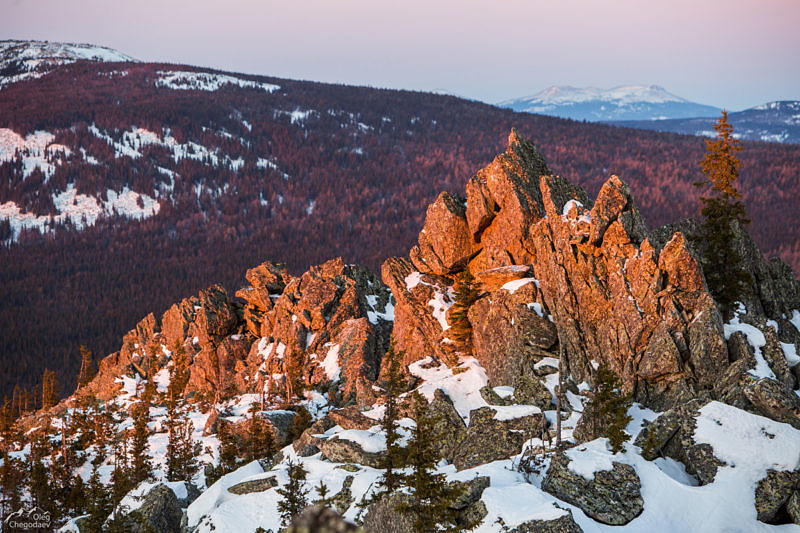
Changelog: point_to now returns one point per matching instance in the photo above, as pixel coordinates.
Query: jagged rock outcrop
(613, 497)
(444, 246)
(601, 285)
(330, 324)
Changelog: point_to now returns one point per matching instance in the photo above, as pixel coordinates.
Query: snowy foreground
(673, 501)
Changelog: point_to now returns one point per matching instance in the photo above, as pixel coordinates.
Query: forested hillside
(161, 181)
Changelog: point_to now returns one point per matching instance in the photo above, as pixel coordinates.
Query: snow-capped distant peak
(625, 102)
(21, 60)
(624, 94)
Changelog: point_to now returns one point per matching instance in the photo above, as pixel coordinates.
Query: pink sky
(732, 53)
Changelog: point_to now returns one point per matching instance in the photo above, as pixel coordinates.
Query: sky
(728, 53)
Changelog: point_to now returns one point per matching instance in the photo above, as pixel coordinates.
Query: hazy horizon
(733, 54)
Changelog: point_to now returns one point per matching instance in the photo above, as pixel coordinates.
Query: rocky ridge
(558, 274)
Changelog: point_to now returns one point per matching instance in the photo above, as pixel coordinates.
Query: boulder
(350, 417)
(382, 516)
(159, 511)
(318, 519)
(613, 497)
(308, 443)
(773, 494)
(255, 485)
(529, 390)
(347, 451)
(672, 435)
(774, 400)
(562, 524)
(488, 439)
(281, 422)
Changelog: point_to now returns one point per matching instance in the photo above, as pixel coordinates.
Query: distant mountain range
(651, 107)
(770, 122)
(626, 102)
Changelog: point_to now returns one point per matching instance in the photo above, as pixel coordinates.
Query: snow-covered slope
(626, 102)
(770, 122)
(20, 60)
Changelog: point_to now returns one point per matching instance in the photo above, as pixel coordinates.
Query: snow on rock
(756, 340)
(514, 285)
(748, 443)
(510, 412)
(331, 363)
(371, 440)
(373, 314)
(218, 492)
(462, 388)
(206, 81)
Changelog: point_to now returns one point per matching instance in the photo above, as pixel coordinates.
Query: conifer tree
(431, 497)
(182, 449)
(260, 439)
(460, 328)
(394, 460)
(178, 372)
(11, 477)
(141, 464)
(323, 498)
(228, 454)
(88, 369)
(98, 501)
(722, 263)
(300, 422)
(49, 389)
(610, 405)
(293, 494)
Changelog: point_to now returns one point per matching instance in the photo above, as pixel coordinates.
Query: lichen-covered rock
(562, 524)
(793, 507)
(342, 500)
(492, 398)
(613, 497)
(350, 417)
(469, 507)
(773, 493)
(774, 400)
(318, 519)
(489, 439)
(529, 390)
(159, 511)
(449, 425)
(346, 451)
(255, 485)
(382, 516)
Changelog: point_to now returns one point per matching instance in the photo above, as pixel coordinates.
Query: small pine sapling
(293, 494)
(611, 406)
